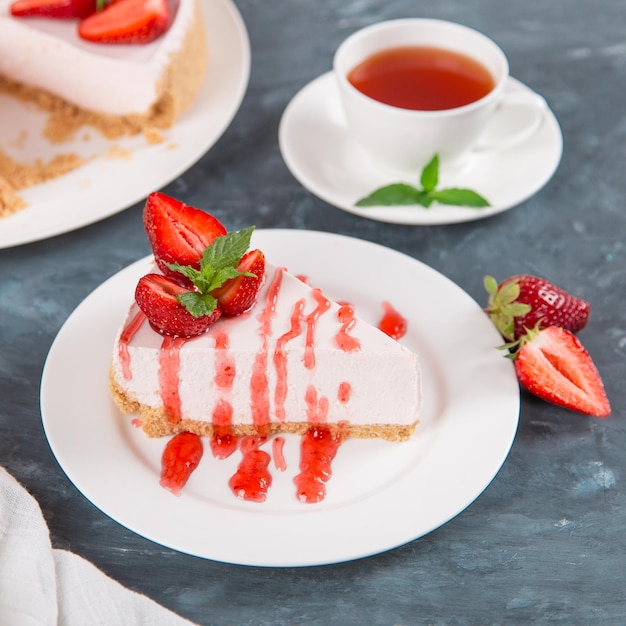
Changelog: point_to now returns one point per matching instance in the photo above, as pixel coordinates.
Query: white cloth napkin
(41, 585)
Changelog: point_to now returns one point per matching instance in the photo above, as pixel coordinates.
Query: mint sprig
(403, 194)
(217, 266)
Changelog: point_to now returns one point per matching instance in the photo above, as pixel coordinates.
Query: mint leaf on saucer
(460, 197)
(430, 174)
(402, 194)
(397, 193)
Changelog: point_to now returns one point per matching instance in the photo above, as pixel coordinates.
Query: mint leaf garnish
(228, 249)
(217, 266)
(430, 175)
(198, 304)
(397, 193)
(403, 194)
(459, 197)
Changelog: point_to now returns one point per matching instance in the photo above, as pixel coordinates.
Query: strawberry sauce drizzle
(280, 359)
(252, 479)
(316, 409)
(259, 386)
(323, 304)
(278, 445)
(344, 341)
(392, 323)
(223, 441)
(317, 451)
(225, 369)
(126, 336)
(169, 367)
(344, 392)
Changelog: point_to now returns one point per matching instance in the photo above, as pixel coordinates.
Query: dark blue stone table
(545, 542)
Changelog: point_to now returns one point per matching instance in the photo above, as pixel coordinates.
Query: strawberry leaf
(509, 292)
(491, 285)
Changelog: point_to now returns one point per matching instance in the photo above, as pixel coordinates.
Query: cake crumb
(116, 152)
(10, 201)
(153, 136)
(15, 176)
(22, 175)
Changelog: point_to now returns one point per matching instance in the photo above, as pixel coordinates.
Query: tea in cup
(412, 88)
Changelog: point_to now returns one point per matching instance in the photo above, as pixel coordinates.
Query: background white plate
(319, 151)
(381, 494)
(106, 186)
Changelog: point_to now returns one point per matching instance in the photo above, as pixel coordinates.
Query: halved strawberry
(552, 364)
(180, 458)
(58, 9)
(524, 301)
(238, 294)
(178, 233)
(127, 21)
(158, 297)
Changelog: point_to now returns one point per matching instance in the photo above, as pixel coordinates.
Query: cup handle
(518, 116)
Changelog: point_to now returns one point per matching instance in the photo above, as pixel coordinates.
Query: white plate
(317, 149)
(106, 186)
(381, 494)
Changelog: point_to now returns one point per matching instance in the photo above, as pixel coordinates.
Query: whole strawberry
(523, 302)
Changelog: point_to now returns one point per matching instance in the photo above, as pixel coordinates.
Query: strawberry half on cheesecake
(221, 341)
(132, 65)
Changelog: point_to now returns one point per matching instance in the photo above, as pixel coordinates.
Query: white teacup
(406, 139)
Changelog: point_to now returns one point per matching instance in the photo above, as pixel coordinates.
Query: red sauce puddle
(392, 323)
(252, 479)
(317, 451)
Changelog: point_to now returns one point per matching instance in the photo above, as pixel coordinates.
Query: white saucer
(317, 149)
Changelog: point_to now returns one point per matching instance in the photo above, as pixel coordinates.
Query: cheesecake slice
(119, 89)
(294, 360)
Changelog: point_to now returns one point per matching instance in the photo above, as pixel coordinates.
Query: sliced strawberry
(180, 458)
(178, 233)
(127, 21)
(58, 9)
(157, 297)
(524, 301)
(554, 365)
(238, 294)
